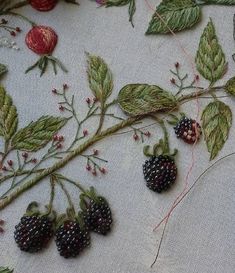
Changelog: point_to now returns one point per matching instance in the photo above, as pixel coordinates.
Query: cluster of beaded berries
(71, 230)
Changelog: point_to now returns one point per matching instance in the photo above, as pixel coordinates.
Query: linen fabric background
(200, 236)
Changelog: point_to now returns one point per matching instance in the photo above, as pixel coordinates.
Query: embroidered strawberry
(43, 5)
(42, 40)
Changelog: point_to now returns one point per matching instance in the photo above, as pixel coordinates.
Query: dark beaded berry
(71, 239)
(98, 217)
(188, 130)
(160, 173)
(33, 233)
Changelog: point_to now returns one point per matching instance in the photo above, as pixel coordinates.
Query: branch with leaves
(138, 101)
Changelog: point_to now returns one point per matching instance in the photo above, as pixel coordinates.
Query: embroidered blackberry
(188, 130)
(98, 216)
(71, 239)
(33, 233)
(160, 172)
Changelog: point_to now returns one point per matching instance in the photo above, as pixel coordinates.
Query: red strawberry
(41, 40)
(43, 5)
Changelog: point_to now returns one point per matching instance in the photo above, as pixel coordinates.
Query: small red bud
(18, 29)
(59, 146)
(61, 108)
(136, 137)
(173, 81)
(54, 91)
(2, 222)
(13, 33)
(197, 77)
(55, 138)
(85, 132)
(88, 167)
(34, 160)
(25, 155)
(95, 152)
(177, 65)
(4, 21)
(4, 168)
(65, 86)
(1, 230)
(61, 138)
(148, 134)
(88, 100)
(10, 162)
(103, 170)
(94, 172)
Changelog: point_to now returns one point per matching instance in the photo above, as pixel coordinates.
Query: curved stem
(71, 182)
(71, 205)
(22, 16)
(52, 196)
(63, 162)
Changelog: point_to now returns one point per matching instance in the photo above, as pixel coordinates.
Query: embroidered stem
(60, 164)
(52, 196)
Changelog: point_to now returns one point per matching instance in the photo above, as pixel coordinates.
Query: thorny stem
(52, 196)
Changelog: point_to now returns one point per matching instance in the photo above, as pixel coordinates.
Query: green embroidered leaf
(99, 77)
(5, 270)
(141, 99)
(116, 3)
(8, 115)
(3, 69)
(210, 59)
(216, 122)
(179, 15)
(219, 2)
(37, 134)
(230, 86)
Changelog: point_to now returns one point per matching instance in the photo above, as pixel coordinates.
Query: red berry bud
(197, 77)
(4, 168)
(2, 222)
(65, 86)
(61, 138)
(177, 65)
(94, 172)
(54, 91)
(85, 132)
(13, 33)
(95, 152)
(61, 108)
(59, 146)
(4, 21)
(1, 230)
(34, 160)
(148, 134)
(10, 162)
(25, 155)
(18, 29)
(136, 137)
(88, 100)
(88, 167)
(173, 81)
(103, 170)
(55, 138)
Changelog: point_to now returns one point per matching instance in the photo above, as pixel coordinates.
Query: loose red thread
(191, 62)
